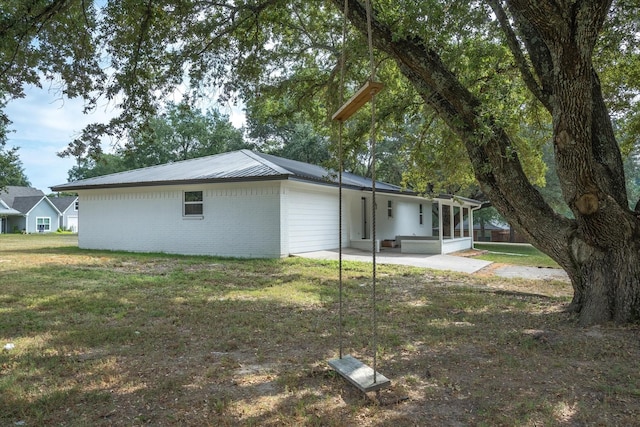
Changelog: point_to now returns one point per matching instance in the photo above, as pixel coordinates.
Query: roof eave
(70, 186)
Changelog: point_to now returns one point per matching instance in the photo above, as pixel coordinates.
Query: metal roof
(242, 165)
(311, 172)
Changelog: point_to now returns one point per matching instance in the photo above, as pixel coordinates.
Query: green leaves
(281, 59)
(11, 171)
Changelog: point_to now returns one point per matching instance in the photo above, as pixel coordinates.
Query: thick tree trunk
(607, 282)
(600, 249)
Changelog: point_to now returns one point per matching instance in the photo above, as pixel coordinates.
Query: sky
(43, 125)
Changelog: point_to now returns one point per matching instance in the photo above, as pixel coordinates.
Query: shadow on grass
(166, 340)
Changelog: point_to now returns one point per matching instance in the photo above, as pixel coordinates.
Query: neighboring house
(249, 204)
(27, 210)
(484, 231)
(68, 208)
(496, 231)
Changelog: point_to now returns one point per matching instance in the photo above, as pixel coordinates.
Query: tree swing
(365, 378)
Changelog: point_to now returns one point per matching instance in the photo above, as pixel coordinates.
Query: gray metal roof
(311, 172)
(242, 165)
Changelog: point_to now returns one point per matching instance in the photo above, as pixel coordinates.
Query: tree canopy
(474, 91)
(179, 132)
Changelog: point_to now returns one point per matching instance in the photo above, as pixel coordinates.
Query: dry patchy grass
(127, 339)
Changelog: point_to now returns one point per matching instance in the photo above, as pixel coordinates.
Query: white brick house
(249, 204)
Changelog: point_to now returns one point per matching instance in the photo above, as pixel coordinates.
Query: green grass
(112, 338)
(517, 254)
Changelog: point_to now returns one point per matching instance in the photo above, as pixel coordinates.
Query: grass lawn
(517, 254)
(98, 338)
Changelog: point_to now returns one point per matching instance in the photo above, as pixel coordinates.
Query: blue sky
(43, 125)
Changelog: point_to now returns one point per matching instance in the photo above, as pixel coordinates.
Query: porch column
(440, 230)
(452, 226)
(471, 222)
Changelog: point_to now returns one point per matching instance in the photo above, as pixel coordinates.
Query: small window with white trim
(43, 224)
(193, 203)
(420, 215)
(389, 209)
(76, 205)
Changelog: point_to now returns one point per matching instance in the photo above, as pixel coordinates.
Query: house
(484, 231)
(68, 208)
(27, 210)
(497, 231)
(250, 204)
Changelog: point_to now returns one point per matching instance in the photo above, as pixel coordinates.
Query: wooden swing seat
(359, 374)
(361, 97)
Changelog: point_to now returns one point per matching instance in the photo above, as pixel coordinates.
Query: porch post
(471, 224)
(440, 230)
(452, 226)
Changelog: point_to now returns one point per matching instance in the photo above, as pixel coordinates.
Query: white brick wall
(240, 220)
(264, 219)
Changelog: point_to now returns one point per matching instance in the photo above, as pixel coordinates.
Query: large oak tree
(553, 45)
(485, 75)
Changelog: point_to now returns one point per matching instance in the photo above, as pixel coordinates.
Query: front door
(365, 219)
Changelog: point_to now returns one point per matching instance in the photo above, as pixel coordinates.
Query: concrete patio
(393, 256)
(460, 264)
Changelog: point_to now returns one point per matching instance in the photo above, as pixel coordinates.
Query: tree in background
(480, 75)
(179, 133)
(11, 170)
(102, 164)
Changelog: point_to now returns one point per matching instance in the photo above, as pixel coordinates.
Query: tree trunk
(600, 248)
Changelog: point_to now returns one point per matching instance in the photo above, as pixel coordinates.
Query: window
(389, 209)
(76, 205)
(420, 215)
(43, 224)
(192, 203)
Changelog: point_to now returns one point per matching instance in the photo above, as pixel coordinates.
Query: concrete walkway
(517, 271)
(436, 262)
(440, 262)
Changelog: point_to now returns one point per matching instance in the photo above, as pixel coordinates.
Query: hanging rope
(372, 137)
(352, 369)
(343, 59)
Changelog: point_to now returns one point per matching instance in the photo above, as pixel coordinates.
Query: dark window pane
(193, 209)
(193, 196)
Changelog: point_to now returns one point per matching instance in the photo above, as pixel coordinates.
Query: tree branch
(537, 89)
(495, 164)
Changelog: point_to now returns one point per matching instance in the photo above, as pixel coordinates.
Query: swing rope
(372, 138)
(343, 58)
(367, 93)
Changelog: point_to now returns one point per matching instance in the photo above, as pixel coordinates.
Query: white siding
(312, 217)
(405, 219)
(240, 220)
